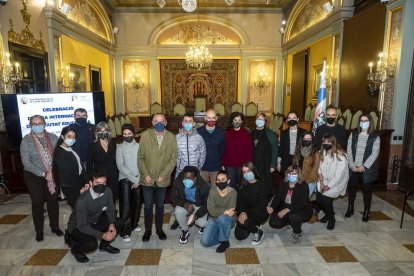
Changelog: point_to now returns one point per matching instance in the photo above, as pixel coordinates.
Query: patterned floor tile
(144, 257)
(12, 219)
(236, 256)
(409, 247)
(336, 254)
(47, 257)
(377, 215)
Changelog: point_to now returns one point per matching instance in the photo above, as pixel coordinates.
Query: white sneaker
(138, 229)
(258, 237)
(126, 238)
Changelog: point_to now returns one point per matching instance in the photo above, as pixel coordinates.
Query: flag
(319, 118)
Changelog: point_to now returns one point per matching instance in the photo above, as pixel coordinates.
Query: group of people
(223, 178)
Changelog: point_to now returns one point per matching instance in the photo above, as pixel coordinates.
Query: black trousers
(149, 193)
(39, 193)
(356, 179)
(294, 218)
(85, 243)
(72, 195)
(130, 204)
(325, 203)
(242, 231)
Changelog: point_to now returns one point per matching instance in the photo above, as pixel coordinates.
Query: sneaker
(201, 230)
(126, 238)
(137, 229)
(296, 238)
(184, 236)
(223, 246)
(258, 237)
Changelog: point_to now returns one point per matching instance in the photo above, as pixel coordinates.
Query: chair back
(237, 107)
(156, 108)
(179, 110)
(251, 109)
(219, 108)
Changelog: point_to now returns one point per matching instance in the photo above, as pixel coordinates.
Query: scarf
(46, 153)
(306, 151)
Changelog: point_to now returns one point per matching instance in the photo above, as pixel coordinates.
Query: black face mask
(222, 185)
(80, 121)
(99, 189)
(327, 146)
(128, 139)
(292, 123)
(330, 120)
(306, 143)
(103, 135)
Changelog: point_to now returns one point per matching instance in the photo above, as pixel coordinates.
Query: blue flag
(320, 112)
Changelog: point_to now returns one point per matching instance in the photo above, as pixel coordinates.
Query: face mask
(327, 146)
(211, 123)
(38, 129)
(330, 120)
(103, 135)
(248, 176)
(99, 188)
(364, 125)
(128, 139)
(292, 123)
(236, 124)
(188, 126)
(80, 121)
(306, 143)
(222, 185)
(159, 127)
(188, 183)
(70, 142)
(260, 123)
(292, 178)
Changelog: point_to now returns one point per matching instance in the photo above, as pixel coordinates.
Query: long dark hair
(336, 148)
(251, 167)
(298, 154)
(64, 131)
(231, 118)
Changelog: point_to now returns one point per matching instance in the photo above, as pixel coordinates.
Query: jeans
(217, 230)
(235, 176)
(354, 180)
(181, 217)
(130, 203)
(312, 188)
(149, 192)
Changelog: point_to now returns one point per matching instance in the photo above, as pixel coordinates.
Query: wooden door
(299, 83)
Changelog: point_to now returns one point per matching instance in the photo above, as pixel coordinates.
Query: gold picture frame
(316, 80)
(79, 77)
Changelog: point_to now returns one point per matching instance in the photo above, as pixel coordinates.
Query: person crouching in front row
(93, 219)
(221, 205)
(189, 194)
(291, 204)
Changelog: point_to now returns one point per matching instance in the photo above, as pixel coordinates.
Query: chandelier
(198, 57)
(135, 81)
(190, 5)
(65, 79)
(262, 80)
(9, 74)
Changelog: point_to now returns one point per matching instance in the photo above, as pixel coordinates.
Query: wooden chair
(308, 112)
(237, 107)
(118, 127)
(313, 111)
(375, 117)
(251, 109)
(355, 119)
(156, 108)
(112, 128)
(179, 110)
(278, 120)
(122, 119)
(341, 121)
(127, 118)
(200, 104)
(219, 108)
(348, 117)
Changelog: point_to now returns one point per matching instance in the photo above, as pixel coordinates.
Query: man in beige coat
(157, 157)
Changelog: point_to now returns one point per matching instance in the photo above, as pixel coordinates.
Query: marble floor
(378, 247)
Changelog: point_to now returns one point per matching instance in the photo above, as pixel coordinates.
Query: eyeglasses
(156, 122)
(364, 121)
(39, 124)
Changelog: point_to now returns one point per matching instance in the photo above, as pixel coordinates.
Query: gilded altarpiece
(180, 84)
(260, 91)
(137, 98)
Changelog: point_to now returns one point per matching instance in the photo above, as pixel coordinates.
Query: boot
(365, 216)
(331, 223)
(350, 211)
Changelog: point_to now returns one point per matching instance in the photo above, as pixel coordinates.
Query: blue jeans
(148, 193)
(217, 230)
(312, 188)
(235, 174)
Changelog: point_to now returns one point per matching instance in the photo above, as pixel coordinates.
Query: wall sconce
(382, 74)
(262, 80)
(9, 73)
(65, 80)
(135, 81)
(282, 28)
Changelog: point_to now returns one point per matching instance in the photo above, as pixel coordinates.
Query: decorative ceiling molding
(188, 35)
(26, 36)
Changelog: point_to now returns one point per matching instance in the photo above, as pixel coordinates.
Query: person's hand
(108, 236)
(49, 176)
(278, 167)
(229, 212)
(160, 179)
(272, 170)
(189, 207)
(134, 186)
(283, 212)
(112, 229)
(361, 168)
(148, 179)
(85, 188)
(242, 217)
(354, 169)
(269, 210)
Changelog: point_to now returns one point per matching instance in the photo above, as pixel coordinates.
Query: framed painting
(316, 80)
(79, 77)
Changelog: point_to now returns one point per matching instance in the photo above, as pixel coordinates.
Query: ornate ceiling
(202, 3)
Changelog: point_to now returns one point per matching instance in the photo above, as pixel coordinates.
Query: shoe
(201, 230)
(175, 225)
(108, 248)
(296, 238)
(350, 211)
(324, 219)
(57, 231)
(258, 237)
(126, 238)
(161, 235)
(365, 216)
(331, 224)
(147, 235)
(223, 246)
(137, 229)
(39, 236)
(313, 219)
(80, 257)
(184, 236)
